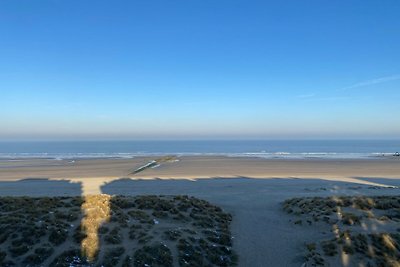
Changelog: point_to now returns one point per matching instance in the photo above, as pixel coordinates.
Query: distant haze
(207, 69)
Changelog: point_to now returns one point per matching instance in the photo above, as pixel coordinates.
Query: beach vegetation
(329, 247)
(350, 219)
(3, 256)
(68, 258)
(311, 246)
(39, 255)
(132, 231)
(127, 261)
(58, 236)
(17, 251)
(112, 256)
(153, 255)
(172, 234)
(114, 236)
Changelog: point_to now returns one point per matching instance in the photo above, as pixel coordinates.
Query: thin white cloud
(372, 82)
(306, 96)
(332, 98)
(327, 98)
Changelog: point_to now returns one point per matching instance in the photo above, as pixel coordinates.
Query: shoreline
(261, 155)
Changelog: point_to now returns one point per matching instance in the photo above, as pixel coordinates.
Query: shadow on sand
(262, 231)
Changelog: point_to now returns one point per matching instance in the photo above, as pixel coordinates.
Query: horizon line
(200, 140)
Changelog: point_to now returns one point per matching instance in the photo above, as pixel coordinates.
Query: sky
(199, 69)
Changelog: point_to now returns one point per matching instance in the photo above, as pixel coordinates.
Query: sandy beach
(251, 189)
(201, 167)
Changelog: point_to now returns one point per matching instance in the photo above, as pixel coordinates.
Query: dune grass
(102, 230)
(364, 231)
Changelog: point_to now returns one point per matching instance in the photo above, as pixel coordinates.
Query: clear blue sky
(199, 69)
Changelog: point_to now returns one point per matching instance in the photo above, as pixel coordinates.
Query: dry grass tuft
(97, 211)
(363, 229)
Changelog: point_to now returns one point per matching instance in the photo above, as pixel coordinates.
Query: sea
(279, 149)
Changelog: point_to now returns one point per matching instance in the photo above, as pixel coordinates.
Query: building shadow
(256, 206)
(36, 187)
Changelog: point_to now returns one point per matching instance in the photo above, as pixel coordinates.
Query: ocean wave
(267, 155)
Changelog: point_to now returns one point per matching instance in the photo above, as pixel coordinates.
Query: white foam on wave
(266, 155)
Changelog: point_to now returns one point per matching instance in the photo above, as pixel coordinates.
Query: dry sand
(251, 189)
(201, 167)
